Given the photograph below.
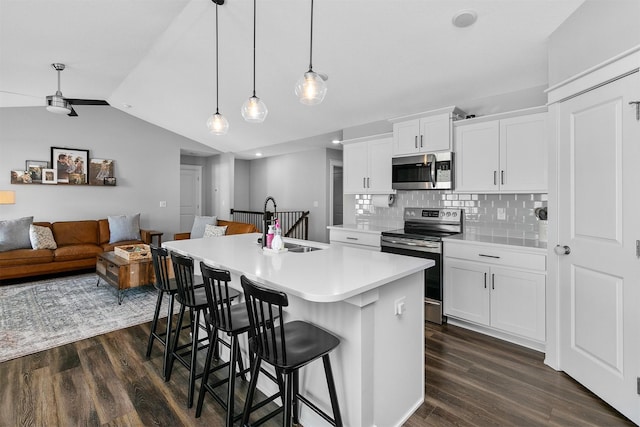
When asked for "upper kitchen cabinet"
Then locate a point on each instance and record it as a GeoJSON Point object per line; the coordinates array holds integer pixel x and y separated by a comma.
{"type": "Point", "coordinates": [425, 132]}
{"type": "Point", "coordinates": [367, 165]}
{"type": "Point", "coordinates": [502, 153]}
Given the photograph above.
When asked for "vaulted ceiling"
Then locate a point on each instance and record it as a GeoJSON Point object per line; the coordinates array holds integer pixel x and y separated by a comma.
{"type": "Point", "coordinates": [155, 59]}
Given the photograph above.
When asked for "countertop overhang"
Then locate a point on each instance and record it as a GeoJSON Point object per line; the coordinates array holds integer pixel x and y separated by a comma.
{"type": "Point", "coordinates": [335, 273]}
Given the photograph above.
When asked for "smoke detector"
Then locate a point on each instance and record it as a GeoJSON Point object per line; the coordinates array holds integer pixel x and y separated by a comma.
{"type": "Point", "coordinates": [464, 18]}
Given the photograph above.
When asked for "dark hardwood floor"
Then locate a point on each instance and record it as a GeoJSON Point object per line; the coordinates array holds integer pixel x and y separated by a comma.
{"type": "Point", "coordinates": [472, 380]}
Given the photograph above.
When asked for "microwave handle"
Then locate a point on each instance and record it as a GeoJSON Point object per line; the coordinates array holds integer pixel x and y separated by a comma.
{"type": "Point", "coordinates": [431, 159]}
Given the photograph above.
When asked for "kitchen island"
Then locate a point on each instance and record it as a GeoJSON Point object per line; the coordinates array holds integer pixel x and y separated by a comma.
{"type": "Point", "coordinates": [373, 301]}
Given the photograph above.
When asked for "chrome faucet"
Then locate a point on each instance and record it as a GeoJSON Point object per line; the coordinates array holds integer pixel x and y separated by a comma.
{"type": "Point", "coordinates": [267, 218]}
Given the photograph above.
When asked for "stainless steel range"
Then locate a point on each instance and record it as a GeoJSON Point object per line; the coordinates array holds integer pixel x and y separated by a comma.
{"type": "Point", "coordinates": [421, 237]}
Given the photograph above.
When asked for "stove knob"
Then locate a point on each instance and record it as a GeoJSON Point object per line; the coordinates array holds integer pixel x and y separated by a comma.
{"type": "Point", "coordinates": [455, 214]}
{"type": "Point", "coordinates": [441, 213]}
{"type": "Point", "coordinates": [448, 213]}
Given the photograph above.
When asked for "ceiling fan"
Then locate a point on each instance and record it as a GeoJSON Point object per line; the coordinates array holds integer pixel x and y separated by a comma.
{"type": "Point", "coordinates": [60, 105]}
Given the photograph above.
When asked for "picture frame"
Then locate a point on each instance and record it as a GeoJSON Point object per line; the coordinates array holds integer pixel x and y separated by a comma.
{"type": "Point", "coordinates": [99, 170]}
{"type": "Point", "coordinates": [71, 164]}
{"type": "Point", "coordinates": [49, 176]}
{"type": "Point", "coordinates": [34, 167]}
{"type": "Point", "coordinates": [110, 180]}
{"type": "Point", "coordinates": [20, 177]}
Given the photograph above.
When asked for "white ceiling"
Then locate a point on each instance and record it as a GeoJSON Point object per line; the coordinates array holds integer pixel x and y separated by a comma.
{"type": "Point", "coordinates": [384, 58]}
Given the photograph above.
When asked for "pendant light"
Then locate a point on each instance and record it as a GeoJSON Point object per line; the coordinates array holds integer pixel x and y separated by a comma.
{"type": "Point", "coordinates": [311, 88]}
{"type": "Point", "coordinates": [217, 123]}
{"type": "Point", "coordinates": [254, 110]}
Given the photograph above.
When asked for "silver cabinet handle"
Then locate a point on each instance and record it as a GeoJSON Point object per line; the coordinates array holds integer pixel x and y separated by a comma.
{"type": "Point", "coordinates": [364, 182]}
{"type": "Point", "coordinates": [502, 177]}
{"type": "Point", "coordinates": [420, 141]}
{"type": "Point", "coordinates": [562, 250]}
{"type": "Point", "coordinates": [485, 280]}
{"type": "Point", "coordinates": [495, 173]}
{"type": "Point", "coordinates": [352, 238]}
{"type": "Point", "coordinates": [493, 281]}
{"type": "Point", "coordinates": [368, 182]}
{"type": "Point", "coordinates": [415, 141]}
{"type": "Point", "coordinates": [489, 256]}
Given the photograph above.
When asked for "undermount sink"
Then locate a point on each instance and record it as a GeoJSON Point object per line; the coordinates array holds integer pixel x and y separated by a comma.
{"type": "Point", "coordinates": [293, 247]}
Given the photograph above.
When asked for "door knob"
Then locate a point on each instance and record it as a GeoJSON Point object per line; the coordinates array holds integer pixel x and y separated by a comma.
{"type": "Point", "coordinates": [562, 250]}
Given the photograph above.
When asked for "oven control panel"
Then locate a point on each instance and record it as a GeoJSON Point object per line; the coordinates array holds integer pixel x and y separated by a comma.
{"type": "Point", "coordinates": [426, 214]}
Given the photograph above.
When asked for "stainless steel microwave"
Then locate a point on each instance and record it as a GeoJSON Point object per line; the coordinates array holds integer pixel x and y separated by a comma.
{"type": "Point", "coordinates": [423, 172]}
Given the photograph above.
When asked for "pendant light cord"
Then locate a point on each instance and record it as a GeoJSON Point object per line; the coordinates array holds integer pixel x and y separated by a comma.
{"type": "Point", "coordinates": [254, 48]}
{"type": "Point", "coordinates": [311, 40]}
{"type": "Point", "coordinates": [217, 95]}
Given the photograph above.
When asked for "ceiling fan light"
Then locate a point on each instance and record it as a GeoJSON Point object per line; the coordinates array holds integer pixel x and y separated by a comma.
{"type": "Point", "coordinates": [254, 110]}
{"type": "Point", "coordinates": [218, 124]}
{"type": "Point", "coordinates": [311, 88]}
{"type": "Point", "coordinates": [58, 105]}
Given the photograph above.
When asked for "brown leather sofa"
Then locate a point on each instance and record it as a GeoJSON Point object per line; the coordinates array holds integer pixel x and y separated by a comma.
{"type": "Point", "coordinates": [79, 243]}
{"type": "Point", "coordinates": [233, 227]}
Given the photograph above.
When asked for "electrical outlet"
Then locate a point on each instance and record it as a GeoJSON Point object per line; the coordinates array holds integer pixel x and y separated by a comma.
{"type": "Point", "coordinates": [398, 306]}
{"type": "Point", "coordinates": [502, 214]}
{"type": "Point", "coordinates": [163, 203]}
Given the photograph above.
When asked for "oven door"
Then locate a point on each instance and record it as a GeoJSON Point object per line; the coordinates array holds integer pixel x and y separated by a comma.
{"type": "Point", "coordinates": [432, 276]}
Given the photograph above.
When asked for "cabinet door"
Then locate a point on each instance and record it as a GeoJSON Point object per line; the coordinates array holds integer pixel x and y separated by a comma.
{"type": "Point", "coordinates": [518, 302]}
{"type": "Point", "coordinates": [435, 133]}
{"type": "Point", "coordinates": [379, 170]}
{"type": "Point", "coordinates": [523, 154]}
{"type": "Point", "coordinates": [406, 137]}
{"type": "Point", "coordinates": [477, 157]}
{"type": "Point", "coordinates": [355, 167]}
{"type": "Point", "coordinates": [466, 292]}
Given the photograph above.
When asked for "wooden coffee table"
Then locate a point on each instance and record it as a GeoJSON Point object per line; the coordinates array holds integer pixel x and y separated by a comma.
{"type": "Point", "coordinates": [122, 273]}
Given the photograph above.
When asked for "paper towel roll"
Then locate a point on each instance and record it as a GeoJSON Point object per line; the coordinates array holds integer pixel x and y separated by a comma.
{"type": "Point", "coordinates": [382, 200]}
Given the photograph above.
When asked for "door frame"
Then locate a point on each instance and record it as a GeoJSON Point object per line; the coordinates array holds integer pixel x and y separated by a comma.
{"type": "Point", "coordinates": [332, 165]}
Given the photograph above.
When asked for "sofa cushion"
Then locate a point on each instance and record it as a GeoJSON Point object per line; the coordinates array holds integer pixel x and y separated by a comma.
{"type": "Point", "coordinates": [14, 234]}
{"type": "Point", "coordinates": [124, 227]}
{"type": "Point", "coordinates": [25, 257]}
{"type": "Point", "coordinates": [41, 237]}
{"type": "Point", "coordinates": [74, 252]}
{"type": "Point", "coordinates": [214, 230]}
{"type": "Point", "coordinates": [75, 232]}
{"type": "Point", "coordinates": [199, 223]}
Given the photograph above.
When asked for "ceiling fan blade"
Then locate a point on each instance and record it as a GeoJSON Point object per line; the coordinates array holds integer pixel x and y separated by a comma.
{"type": "Point", "coordinates": [72, 113]}
{"type": "Point", "coordinates": [86, 101]}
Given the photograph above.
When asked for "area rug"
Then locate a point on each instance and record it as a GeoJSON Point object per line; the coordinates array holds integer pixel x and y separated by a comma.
{"type": "Point", "coordinates": [41, 315]}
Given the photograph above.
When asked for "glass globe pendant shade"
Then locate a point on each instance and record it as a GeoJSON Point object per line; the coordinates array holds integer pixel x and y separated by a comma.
{"type": "Point", "coordinates": [254, 110]}
{"type": "Point", "coordinates": [311, 88]}
{"type": "Point", "coordinates": [217, 124]}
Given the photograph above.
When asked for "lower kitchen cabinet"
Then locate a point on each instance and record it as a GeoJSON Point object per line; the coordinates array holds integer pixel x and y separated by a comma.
{"type": "Point", "coordinates": [496, 288]}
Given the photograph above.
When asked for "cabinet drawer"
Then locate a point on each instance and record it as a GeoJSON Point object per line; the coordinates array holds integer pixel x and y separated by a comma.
{"type": "Point", "coordinates": [355, 238]}
{"type": "Point", "coordinates": [496, 255]}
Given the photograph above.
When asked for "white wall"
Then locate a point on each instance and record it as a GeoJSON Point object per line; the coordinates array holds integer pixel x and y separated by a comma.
{"type": "Point", "coordinates": [595, 32]}
{"type": "Point", "coordinates": [296, 181]}
{"type": "Point", "coordinates": [147, 166]}
{"type": "Point", "coordinates": [241, 184]}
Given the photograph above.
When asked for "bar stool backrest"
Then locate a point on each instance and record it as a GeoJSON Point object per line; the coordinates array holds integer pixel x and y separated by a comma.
{"type": "Point", "coordinates": [216, 285]}
{"type": "Point", "coordinates": [183, 271]}
{"type": "Point", "coordinates": [161, 267]}
{"type": "Point", "coordinates": [264, 306]}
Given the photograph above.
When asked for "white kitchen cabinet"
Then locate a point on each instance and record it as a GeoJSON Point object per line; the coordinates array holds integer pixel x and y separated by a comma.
{"type": "Point", "coordinates": [433, 132]}
{"type": "Point", "coordinates": [355, 238]}
{"type": "Point", "coordinates": [367, 165]}
{"type": "Point", "coordinates": [505, 155]}
{"type": "Point", "coordinates": [496, 287]}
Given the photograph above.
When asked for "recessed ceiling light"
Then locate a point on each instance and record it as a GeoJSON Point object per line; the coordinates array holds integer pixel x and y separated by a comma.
{"type": "Point", "coordinates": [464, 18]}
{"type": "Point", "coordinates": [258, 154]}
{"type": "Point", "coordinates": [126, 105]}
{"type": "Point", "coordinates": [335, 141]}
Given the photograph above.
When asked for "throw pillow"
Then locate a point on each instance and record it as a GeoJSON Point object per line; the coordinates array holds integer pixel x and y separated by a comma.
{"type": "Point", "coordinates": [41, 237]}
{"type": "Point", "coordinates": [14, 234]}
{"type": "Point", "coordinates": [199, 222]}
{"type": "Point", "coordinates": [124, 227]}
{"type": "Point", "coordinates": [214, 230]}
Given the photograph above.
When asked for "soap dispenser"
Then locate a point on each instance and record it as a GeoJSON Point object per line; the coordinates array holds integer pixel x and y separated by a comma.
{"type": "Point", "coordinates": [277, 243]}
{"type": "Point", "coordinates": [270, 236]}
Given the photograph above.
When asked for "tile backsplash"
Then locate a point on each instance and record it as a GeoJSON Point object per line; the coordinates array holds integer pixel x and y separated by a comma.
{"type": "Point", "coordinates": [481, 211]}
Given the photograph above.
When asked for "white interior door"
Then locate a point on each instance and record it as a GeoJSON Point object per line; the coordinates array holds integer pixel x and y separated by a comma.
{"type": "Point", "coordinates": [190, 195]}
{"type": "Point", "coordinates": [598, 210]}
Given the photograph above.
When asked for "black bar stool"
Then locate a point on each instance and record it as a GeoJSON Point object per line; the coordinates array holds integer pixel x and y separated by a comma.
{"type": "Point", "coordinates": [165, 286]}
{"type": "Point", "coordinates": [287, 347]}
{"type": "Point", "coordinates": [195, 299]}
{"type": "Point", "coordinates": [234, 321]}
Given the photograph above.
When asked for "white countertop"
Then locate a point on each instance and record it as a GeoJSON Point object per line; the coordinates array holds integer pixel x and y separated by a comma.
{"type": "Point", "coordinates": [364, 228]}
{"type": "Point", "coordinates": [333, 274]}
{"type": "Point", "coordinates": [499, 240]}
